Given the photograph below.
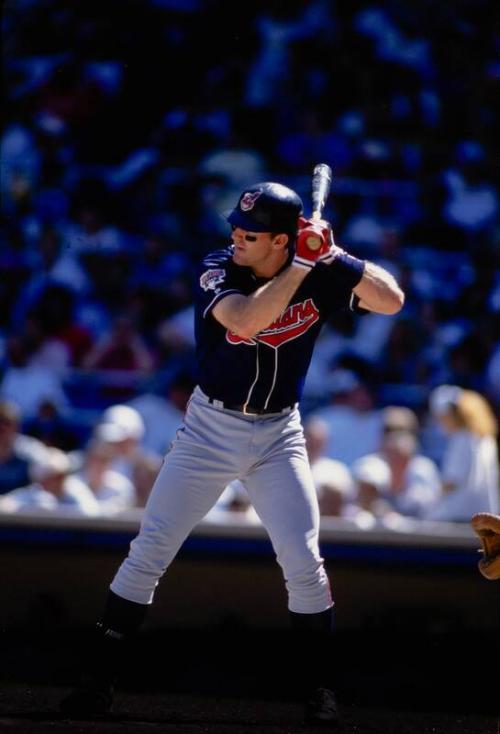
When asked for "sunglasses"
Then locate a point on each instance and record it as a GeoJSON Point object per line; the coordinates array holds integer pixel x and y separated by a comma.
{"type": "Point", "coordinates": [246, 237]}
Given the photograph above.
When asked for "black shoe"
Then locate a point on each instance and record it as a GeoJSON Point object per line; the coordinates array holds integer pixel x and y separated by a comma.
{"type": "Point", "coordinates": [90, 698]}
{"type": "Point", "coordinates": [321, 708]}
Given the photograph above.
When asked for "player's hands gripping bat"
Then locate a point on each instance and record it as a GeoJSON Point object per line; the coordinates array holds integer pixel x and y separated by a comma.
{"type": "Point", "coordinates": [314, 236]}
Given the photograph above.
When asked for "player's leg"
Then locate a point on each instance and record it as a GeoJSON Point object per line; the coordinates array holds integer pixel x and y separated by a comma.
{"type": "Point", "coordinates": [188, 485]}
{"type": "Point", "coordinates": [193, 476]}
{"type": "Point", "coordinates": [281, 489]}
{"type": "Point", "coordinates": [178, 501]}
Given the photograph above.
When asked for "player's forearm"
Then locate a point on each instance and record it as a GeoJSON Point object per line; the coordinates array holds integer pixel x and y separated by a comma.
{"type": "Point", "coordinates": [378, 291]}
{"type": "Point", "coordinates": [263, 306]}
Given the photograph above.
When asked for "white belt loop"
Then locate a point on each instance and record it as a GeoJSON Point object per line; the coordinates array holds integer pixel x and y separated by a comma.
{"type": "Point", "coordinates": [218, 404]}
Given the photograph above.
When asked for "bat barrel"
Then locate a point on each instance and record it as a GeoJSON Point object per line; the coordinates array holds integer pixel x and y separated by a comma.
{"type": "Point", "coordinates": [321, 182]}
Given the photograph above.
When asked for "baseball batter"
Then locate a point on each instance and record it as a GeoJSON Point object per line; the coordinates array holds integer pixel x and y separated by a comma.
{"type": "Point", "coordinates": [260, 305]}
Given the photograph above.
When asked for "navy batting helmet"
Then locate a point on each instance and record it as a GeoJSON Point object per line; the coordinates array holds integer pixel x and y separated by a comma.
{"type": "Point", "coordinates": [267, 207]}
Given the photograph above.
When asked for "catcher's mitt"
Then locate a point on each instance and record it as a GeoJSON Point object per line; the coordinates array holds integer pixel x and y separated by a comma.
{"type": "Point", "coordinates": [487, 526]}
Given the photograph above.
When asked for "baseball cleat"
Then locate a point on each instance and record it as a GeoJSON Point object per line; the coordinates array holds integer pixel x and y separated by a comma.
{"type": "Point", "coordinates": [321, 708]}
{"type": "Point", "coordinates": [89, 698]}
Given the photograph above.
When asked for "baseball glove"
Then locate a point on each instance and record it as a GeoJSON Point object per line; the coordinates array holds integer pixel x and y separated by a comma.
{"type": "Point", "coordinates": [487, 527]}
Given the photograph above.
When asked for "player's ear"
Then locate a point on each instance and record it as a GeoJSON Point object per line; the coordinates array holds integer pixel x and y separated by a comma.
{"type": "Point", "coordinates": [280, 241]}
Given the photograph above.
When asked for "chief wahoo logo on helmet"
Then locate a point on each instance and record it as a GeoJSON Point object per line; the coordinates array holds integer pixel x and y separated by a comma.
{"type": "Point", "coordinates": [248, 200]}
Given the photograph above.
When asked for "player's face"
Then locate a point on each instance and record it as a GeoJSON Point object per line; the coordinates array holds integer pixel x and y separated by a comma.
{"type": "Point", "coordinates": [252, 248]}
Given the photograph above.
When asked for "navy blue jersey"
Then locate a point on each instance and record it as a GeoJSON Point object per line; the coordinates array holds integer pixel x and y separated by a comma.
{"type": "Point", "coordinates": [266, 371]}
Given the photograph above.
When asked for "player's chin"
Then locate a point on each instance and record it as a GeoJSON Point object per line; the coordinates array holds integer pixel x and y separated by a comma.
{"type": "Point", "coordinates": [239, 255]}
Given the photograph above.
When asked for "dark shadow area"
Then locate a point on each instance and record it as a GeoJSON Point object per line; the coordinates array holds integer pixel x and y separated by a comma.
{"type": "Point", "coordinates": [370, 668]}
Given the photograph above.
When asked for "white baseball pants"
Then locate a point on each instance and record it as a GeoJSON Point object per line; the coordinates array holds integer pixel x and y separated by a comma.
{"type": "Point", "coordinates": [214, 446]}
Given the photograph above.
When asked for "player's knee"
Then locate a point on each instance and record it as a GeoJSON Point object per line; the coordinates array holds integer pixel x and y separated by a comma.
{"type": "Point", "coordinates": [308, 588]}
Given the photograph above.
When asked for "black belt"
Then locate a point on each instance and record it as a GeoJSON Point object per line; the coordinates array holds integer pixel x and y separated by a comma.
{"type": "Point", "coordinates": [248, 409]}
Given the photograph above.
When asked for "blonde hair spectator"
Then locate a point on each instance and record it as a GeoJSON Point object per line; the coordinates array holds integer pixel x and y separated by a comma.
{"type": "Point", "coordinates": [473, 412]}
{"type": "Point", "coordinates": [470, 462]}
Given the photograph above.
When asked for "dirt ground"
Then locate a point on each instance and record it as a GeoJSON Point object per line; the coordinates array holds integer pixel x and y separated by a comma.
{"type": "Point", "coordinates": [33, 710]}
{"type": "Point", "coordinates": [228, 683]}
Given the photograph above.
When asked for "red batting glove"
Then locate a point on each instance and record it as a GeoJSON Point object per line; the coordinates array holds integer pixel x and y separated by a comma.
{"type": "Point", "coordinates": [313, 243]}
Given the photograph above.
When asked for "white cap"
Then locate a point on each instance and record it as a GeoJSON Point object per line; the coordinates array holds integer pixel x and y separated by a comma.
{"type": "Point", "coordinates": [443, 398]}
{"type": "Point", "coordinates": [48, 463]}
{"type": "Point", "coordinates": [334, 475]}
{"type": "Point", "coordinates": [120, 422]}
{"type": "Point", "coordinates": [372, 470]}
{"type": "Point", "coordinates": [111, 433]}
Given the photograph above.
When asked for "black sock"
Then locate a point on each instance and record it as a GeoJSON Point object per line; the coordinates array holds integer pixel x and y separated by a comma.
{"type": "Point", "coordinates": [107, 652]}
{"type": "Point", "coordinates": [312, 636]}
{"type": "Point", "coordinates": [122, 617]}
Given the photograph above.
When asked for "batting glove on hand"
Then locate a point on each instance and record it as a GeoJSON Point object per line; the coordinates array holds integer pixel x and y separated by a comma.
{"type": "Point", "coordinates": [315, 243]}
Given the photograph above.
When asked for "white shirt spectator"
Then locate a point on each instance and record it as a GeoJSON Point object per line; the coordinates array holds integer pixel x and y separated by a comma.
{"type": "Point", "coordinates": [471, 464]}
{"type": "Point", "coordinates": [114, 494]}
{"type": "Point", "coordinates": [161, 420]}
{"type": "Point", "coordinates": [76, 500]}
{"type": "Point", "coordinates": [352, 434]}
{"type": "Point", "coordinates": [334, 485]}
{"type": "Point", "coordinates": [52, 488]}
{"type": "Point", "coordinates": [421, 490]}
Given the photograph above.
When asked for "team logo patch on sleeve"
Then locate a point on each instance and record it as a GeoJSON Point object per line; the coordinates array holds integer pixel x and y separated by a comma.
{"type": "Point", "coordinates": [210, 279]}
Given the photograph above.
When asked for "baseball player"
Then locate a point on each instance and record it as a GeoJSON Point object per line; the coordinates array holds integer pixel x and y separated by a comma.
{"type": "Point", "coordinates": [260, 305]}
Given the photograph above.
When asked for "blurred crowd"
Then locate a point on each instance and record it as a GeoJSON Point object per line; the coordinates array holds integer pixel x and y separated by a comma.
{"type": "Point", "coordinates": [379, 476]}
{"type": "Point", "coordinates": [115, 169]}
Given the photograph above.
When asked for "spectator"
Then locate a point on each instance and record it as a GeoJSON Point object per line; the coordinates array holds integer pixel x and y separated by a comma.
{"type": "Point", "coordinates": [112, 490]}
{"type": "Point", "coordinates": [332, 478]}
{"type": "Point", "coordinates": [122, 349]}
{"type": "Point", "coordinates": [234, 503]}
{"type": "Point", "coordinates": [29, 385]}
{"type": "Point", "coordinates": [354, 424]}
{"type": "Point", "coordinates": [16, 450]}
{"type": "Point", "coordinates": [52, 428]}
{"type": "Point", "coordinates": [122, 354]}
{"type": "Point", "coordinates": [335, 490]}
{"type": "Point", "coordinates": [372, 478]}
{"type": "Point", "coordinates": [163, 413]}
{"type": "Point", "coordinates": [415, 482]}
{"type": "Point", "coordinates": [470, 464]}
{"type": "Point", "coordinates": [123, 427]}
{"type": "Point", "coordinates": [416, 151]}
{"type": "Point", "coordinates": [415, 485]}
{"type": "Point", "coordinates": [144, 473]}
{"type": "Point", "coordinates": [472, 201]}
{"type": "Point", "coordinates": [51, 488]}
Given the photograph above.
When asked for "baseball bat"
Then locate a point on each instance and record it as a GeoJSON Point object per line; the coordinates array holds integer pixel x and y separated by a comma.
{"type": "Point", "coordinates": [321, 183]}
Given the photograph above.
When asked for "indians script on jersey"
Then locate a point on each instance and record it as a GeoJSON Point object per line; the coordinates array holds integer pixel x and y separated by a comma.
{"type": "Point", "coordinates": [296, 320]}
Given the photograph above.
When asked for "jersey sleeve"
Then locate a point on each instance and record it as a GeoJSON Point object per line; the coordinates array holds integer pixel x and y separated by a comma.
{"type": "Point", "coordinates": [215, 280]}
{"type": "Point", "coordinates": [335, 281]}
